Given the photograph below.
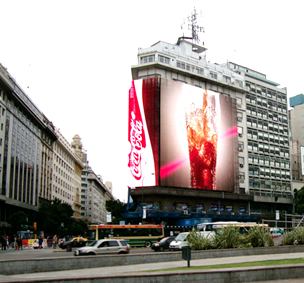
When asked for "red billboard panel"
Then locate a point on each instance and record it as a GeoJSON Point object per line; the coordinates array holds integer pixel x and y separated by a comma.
{"type": "Point", "coordinates": [143, 132]}
{"type": "Point", "coordinates": [190, 136]}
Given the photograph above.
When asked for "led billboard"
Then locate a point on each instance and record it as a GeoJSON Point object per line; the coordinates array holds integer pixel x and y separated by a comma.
{"type": "Point", "coordinates": [188, 133]}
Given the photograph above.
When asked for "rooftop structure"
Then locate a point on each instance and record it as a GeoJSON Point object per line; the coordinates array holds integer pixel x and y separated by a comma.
{"type": "Point", "coordinates": [296, 100]}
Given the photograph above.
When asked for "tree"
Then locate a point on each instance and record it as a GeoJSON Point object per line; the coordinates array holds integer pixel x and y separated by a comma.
{"type": "Point", "coordinates": [117, 208]}
{"type": "Point", "coordinates": [299, 201]}
{"type": "Point", "coordinates": [56, 217]}
{"type": "Point", "coordinates": [18, 221]}
{"type": "Point", "coordinates": [79, 227]}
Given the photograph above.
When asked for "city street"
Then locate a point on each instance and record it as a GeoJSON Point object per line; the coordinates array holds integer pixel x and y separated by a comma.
{"type": "Point", "coordinates": [50, 252]}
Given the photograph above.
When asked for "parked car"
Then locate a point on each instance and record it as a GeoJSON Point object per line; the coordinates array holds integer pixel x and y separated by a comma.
{"type": "Point", "coordinates": [179, 242]}
{"type": "Point", "coordinates": [276, 232]}
{"type": "Point", "coordinates": [105, 246]}
{"type": "Point", "coordinates": [73, 243]}
{"type": "Point", "coordinates": [163, 244]}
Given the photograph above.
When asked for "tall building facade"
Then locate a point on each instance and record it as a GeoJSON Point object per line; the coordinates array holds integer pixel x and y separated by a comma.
{"type": "Point", "coordinates": [94, 193]}
{"type": "Point", "coordinates": [260, 181]}
{"type": "Point", "coordinates": [26, 141]}
{"type": "Point", "coordinates": [266, 140]}
{"type": "Point", "coordinates": [296, 116]}
{"type": "Point", "coordinates": [67, 168]}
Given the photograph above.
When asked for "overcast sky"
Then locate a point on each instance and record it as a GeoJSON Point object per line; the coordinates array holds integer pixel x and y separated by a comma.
{"type": "Point", "coordinates": [73, 58]}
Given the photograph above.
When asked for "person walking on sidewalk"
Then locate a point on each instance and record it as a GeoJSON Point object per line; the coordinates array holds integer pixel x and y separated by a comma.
{"type": "Point", "coordinates": [40, 241]}
{"type": "Point", "coordinates": [3, 243]}
{"type": "Point", "coordinates": [55, 241]}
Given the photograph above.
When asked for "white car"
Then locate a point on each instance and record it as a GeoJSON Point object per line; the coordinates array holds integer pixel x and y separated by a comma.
{"type": "Point", "coordinates": [179, 242]}
{"type": "Point", "coordinates": [105, 246]}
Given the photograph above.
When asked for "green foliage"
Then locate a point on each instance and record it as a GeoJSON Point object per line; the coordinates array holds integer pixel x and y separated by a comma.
{"type": "Point", "coordinates": [18, 221]}
{"type": "Point", "coordinates": [79, 227]}
{"type": "Point", "coordinates": [55, 217]}
{"type": "Point", "coordinates": [289, 261]}
{"type": "Point", "coordinates": [259, 237]}
{"type": "Point", "coordinates": [228, 237]}
{"type": "Point", "coordinates": [299, 201]}
{"type": "Point", "coordinates": [199, 242]}
{"type": "Point", "coordinates": [296, 236]}
{"type": "Point", "coordinates": [116, 207]}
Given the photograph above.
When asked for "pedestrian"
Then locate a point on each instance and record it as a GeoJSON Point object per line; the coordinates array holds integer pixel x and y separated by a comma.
{"type": "Point", "coordinates": [40, 241]}
{"type": "Point", "coordinates": [3, 243]}
{"type": "Point", "coordinates": [7, 242]}
{"type": "Point", "coordinates": [15, 245]}
{"type": "Point", "coordinates": [55, 241]}
{"type": "Point", "coordinates": [19, 243]}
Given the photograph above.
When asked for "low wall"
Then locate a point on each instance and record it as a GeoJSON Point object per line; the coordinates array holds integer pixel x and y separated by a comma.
{"type": "Point", "coordinates": [218, 276]}
{"type": "Point", "coordinates": [236, 275]}
{"type": "Point", "coordinates": [9, 267]}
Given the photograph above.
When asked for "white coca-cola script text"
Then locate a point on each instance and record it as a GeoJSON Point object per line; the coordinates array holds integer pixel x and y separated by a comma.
{"type": "Point", "coordinates": [136, 133]}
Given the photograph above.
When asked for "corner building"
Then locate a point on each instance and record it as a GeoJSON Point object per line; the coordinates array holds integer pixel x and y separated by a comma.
{"type": "Point", "coordinates": [246, 133]}
{"type": "Point", "coordinates": [26, 154]}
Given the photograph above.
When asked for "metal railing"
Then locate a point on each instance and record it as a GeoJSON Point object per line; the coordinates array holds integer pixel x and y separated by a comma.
{"type": "Point", "coordinates": [288, 221]}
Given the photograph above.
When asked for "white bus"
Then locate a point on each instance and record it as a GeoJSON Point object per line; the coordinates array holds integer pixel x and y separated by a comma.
{"type": "Point", "coordinates": [244, 227]}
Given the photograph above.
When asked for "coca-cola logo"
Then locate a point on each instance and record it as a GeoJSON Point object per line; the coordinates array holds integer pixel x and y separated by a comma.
{"type": "Point", "coordinates": [136, 132]}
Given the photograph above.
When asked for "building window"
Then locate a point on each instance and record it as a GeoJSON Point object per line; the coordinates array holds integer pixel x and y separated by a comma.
{"type": "Point", "coordinates": [227, 79]}
{"type": "Point", "coordinates": [213, 75]}
{"type": "Point", "coordinates": [239, 101]}
{"type": "Point", "coordinates": [147, 59]}
{"type": "Point", "coordinates": [180, 65]}
{"type": "Point", "coordinates": [238, 83]}
{"type": "Point", "coordinates": [240, 116]}
{"type": "Point", "coordinates": [240, 131]}
{"type": "Point", "coordinates": [198, 70]}
{"type": "Point", "coordinates": [241, 146]}
{"type": "Point", "coordinates": [242, 177]}
{"type": "Point", "coordinates": [241, 162]}
{"type": "Point", "coordinates": [164, 59]}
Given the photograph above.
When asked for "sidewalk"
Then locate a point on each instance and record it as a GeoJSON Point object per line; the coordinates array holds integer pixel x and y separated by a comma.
{"type": "Point", "coordinates": [138, 268]}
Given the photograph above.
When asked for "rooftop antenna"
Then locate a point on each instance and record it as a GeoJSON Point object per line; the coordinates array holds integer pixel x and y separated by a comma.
{"type": "Point", "coordinates": [193, 27]}
{"type": "Point", "coordinates": [195, 30]}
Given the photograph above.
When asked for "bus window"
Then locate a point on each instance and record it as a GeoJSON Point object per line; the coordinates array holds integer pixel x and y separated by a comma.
{"type": "Point", "coordinates": [136, 235]}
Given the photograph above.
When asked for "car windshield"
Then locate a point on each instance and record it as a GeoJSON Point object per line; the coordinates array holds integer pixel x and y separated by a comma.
{"type": "Point", "coordinates": [164, 240]}
{"type": "Point", "coordinates": [91, 243]}
{"type": "Point", "coordinates": [181, 237]}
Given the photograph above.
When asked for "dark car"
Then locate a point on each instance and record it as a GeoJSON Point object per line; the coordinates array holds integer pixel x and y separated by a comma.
{"type": "Point", "coordinates": [76, 242]}
{"type": "Point", "coordinates": [163, 244]}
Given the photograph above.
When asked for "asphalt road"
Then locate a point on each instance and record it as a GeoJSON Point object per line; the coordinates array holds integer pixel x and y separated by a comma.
{"type": "Point", "coordinates": [50, 252]}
